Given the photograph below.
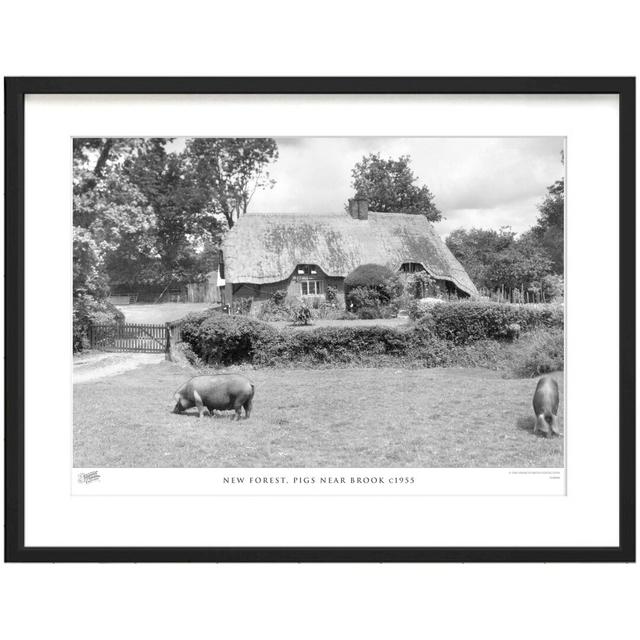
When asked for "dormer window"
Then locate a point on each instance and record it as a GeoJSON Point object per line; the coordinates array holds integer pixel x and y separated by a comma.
{"type": "Point", "coordinates": [307, 270]}
{"type": "Point", "coordinates": [411, 267]}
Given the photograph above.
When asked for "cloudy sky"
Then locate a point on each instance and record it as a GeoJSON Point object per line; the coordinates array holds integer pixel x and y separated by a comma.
{"type": "Point", "coordinates": [481, 182]}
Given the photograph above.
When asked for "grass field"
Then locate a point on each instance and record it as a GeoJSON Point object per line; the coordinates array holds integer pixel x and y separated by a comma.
{"type": "Point", "coordinates": [316, 418]}
{"type": "Point", "coordinates": [170, 311]}
{"type": "Point", "coordinates": [160, 313]}
{"type": "Point", "coordinates": [379, 322]}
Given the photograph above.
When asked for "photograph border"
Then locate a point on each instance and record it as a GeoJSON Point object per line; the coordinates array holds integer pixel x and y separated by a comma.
{"type": "Point", "coordinates": [15, 91]}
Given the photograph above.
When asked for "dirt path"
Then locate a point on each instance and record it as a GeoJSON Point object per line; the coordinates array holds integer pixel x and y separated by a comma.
{"type": "Point", "coordinates": [94, 366]}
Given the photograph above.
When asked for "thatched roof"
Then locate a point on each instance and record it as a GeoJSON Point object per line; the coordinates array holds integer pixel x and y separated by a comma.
{"type": "Point", "coordinates": [266, 247]}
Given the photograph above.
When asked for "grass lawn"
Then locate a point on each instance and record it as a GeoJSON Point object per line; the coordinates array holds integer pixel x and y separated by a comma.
{"type": "Point", "coordinates": [160, 313]}
{"type": "Point", "coordinates": [379, 322]}
{"type": "Point", "coordinates": [316, 418]}
{"type": "Point", "coordinates": [170, 311]}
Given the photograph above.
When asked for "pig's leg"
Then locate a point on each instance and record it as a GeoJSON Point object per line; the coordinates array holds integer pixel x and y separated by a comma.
{"type": "Point", "coordinates": [199, 404]}
{"type": "Point", "coordinates": [555, 429]}
{"type": "Point", "coordinates": [237, 407]}
{"type": "Point", "coordinates": [541, 425]}
{"type": "Point", "coordinates": [247, 408]}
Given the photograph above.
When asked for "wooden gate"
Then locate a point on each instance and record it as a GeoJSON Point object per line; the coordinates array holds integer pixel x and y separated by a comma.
{"type": "Point", "coordinates": [135, 338]}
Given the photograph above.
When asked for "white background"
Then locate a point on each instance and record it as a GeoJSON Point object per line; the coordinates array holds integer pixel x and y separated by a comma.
{"type": "Point", "coordinates": [368, 38]}
{"type": "Point", "coordinates": [587, 516]}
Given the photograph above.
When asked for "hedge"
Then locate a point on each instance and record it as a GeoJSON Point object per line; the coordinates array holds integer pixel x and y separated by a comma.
{"type": "Point", "coordinates": [437, 339]}
{"type": "Point", "coordinates": [217, 338]}
{"type": "Point", "coordinates": [338, 345]}
{"type": "Point", "coordinates": [464, 322]}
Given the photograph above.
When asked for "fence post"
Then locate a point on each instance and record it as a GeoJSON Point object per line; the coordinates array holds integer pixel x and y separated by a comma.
{"type": "Point", "coordinates": [172, 335]}
{"type": "Point", "coordinates": [167, 334]}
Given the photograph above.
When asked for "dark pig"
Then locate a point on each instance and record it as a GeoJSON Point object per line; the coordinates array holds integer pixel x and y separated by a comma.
{"type": "Point", "coordinates": [545, 405]}
{"type": "Point", "coordinates": [222, 392]}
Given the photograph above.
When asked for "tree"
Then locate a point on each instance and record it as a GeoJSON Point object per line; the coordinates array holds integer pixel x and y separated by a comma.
{"type": "Point", "coordinates": [552, 208]}
{"type": "Point", "coordinates": [549, 230]}
{"type": "Point", "coordinates": [112, 208]}
{"type": "Point", "coordinates": [151, 222]}
{"type": "Point", "coordinates": [390, 186]}
{"type": "Point", "coordinates": [228, 171]}
{"type": "Point", "coordinates": [522, 265]}
{"type": "Point", "coordinates": [90, 288]}
{"type": "Point", "coordinates": [182, 225]}
{"type": "Point", "coordinates": [499, 260]}
{"type": "Point", "coordinates": [143, 214]}
{"type": "Point", "coordinates": [477, 249]}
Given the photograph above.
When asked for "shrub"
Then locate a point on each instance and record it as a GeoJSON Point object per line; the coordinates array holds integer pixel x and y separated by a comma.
{"type": "Point", "coordinates": [270, 311]}
{"type": "Point", "coordinates": [212, 338]}
{"type": "Point", "coordinates": [376, 312]}
{"type": "Point", "coordinates": [301, 314]}
{"type": "Point", "coordinates": [361, 297]}
{"type": "Point", "coordinates": [375, 346]}
{"type": "Point", "coordinates": [553, 287]}
{"type": "Point", "coordinates": [327, 311]}
{"type": "Point", "coordinates": [313, 301]}
{"type": "Point", "coordinates": [368, 313]}
{"type": "Point", "coordinates": [420, 308]}
{"type": "Point", "coordinates": [333, 345]}
{"type": "Point", "coordinates": [184, 351]}
{"type": "Point", "coordinates": [540, 352]}
{"type": "Point", "coordinates": [278, 297]}
{"type": "Point", "coordinates": [382, 283]}
{"type": "Point", "coordinates": [331, 294]}
{"type": "Point", "coordinates": [462, 322]}
{"type": "Point", "coordinates": [88, 310]}
{"type": "Point", "coordinates": [221, 339]}
{"type": "Point", "coordinates": [241, 306]}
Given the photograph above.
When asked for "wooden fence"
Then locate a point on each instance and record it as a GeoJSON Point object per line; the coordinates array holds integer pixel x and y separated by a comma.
{"type": "Point", "coordinates": [123, 298]}
{"type": "Point", "coordinates": [203, 292]}
{"type": "Point", "coordinates": [129, 337]}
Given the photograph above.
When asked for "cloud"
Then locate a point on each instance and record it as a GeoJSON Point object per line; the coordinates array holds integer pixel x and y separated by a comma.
{"type": "Point", "coordinates": [481, 182]}
{"type": "Point", "coordinates": [519, 214]}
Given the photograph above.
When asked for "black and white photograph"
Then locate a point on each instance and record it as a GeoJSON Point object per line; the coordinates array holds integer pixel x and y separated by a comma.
{"type": "Point", "coordinates": [321, 320]}
{"type": "Point", "coordinates": [318, 302]}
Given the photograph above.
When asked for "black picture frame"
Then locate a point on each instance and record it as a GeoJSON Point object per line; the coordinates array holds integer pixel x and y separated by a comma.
{"type": "Point", "coordinates": [15, 91]}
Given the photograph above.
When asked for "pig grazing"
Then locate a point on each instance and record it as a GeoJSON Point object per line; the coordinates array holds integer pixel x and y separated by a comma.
{"type": "Point", "coordinates": [545, 405]}
{"type": "Point", "coordinates": [222, 392]}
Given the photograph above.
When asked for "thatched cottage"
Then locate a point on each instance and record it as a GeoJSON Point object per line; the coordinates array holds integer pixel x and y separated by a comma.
{"type": "Point", "coordinates": [305, 253]}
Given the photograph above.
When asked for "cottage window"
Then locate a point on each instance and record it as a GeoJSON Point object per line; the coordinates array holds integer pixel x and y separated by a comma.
{"type": "Point", "coordinates": [411, 267]}
{"type": "Point", "coordinates": [307, 270]}
{"type": "Point", "coordinates": [311, 287]}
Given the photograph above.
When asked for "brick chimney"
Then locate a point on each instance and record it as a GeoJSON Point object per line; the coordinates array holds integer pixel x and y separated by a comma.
{"type": "Point", "coordinates": [359, 208]}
